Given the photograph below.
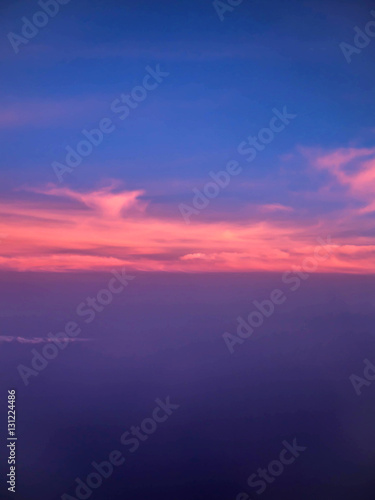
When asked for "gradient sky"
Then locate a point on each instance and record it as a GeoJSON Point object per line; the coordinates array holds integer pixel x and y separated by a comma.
{"type": "Point", "coordinates": [121, 205]}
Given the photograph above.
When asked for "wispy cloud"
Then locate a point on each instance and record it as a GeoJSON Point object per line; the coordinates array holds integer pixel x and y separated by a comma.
{"type": "Point", "coordinates": [38, 340]}
{"type": "Point", "coordinates": [48, 112]}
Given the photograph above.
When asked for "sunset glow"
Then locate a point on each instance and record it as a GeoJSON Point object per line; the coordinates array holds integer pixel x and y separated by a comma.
{"type": "Point", "coordinates": [56, 228]}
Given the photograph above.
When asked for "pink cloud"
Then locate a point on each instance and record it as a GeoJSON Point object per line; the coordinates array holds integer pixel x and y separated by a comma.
{"type": "Point", "coordinates": [274, 207]}
{"type": "Point", "coordinates": [115, 228]}
{"type": "Point", "coordinates": [104, 201]}
{"type": "Point", "coordinates": [353, 169]}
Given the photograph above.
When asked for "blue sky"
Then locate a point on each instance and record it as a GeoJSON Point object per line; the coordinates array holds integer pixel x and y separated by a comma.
{"type": "Point", "coordinates": [225, 78]}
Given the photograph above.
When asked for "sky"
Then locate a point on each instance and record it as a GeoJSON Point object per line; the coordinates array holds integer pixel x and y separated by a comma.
{"type": "Point", "coordinates": [215, 81]}
{"type": "Point", "coordinates": [204, 151]}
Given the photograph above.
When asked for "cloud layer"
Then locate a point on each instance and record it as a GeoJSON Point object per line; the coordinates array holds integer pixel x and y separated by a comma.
{"type": "Point", "coordinates": [61, 229]}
